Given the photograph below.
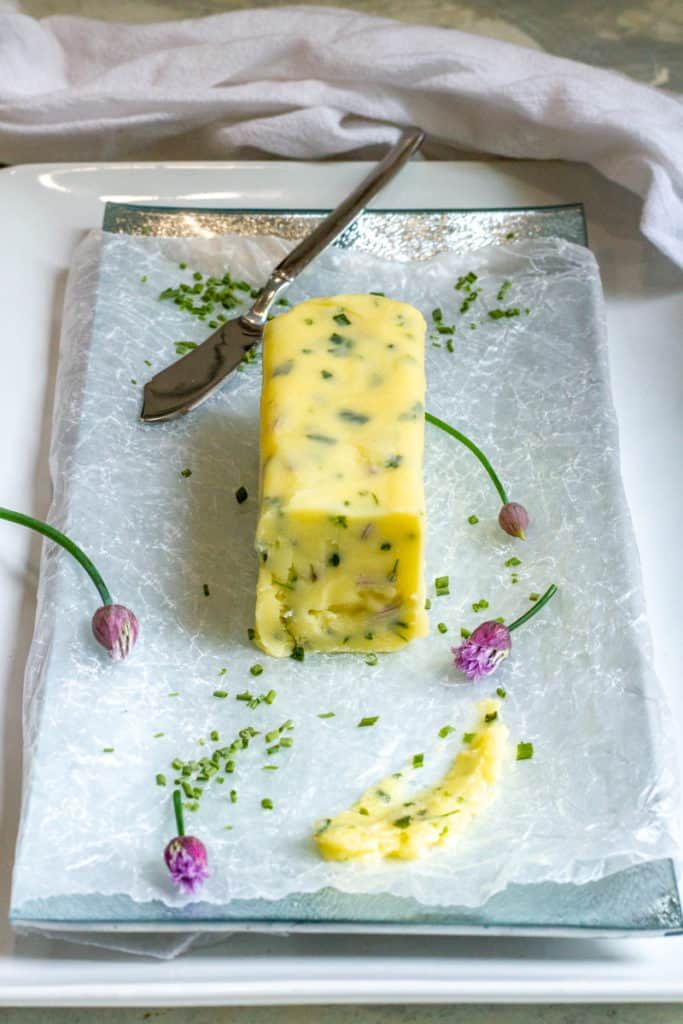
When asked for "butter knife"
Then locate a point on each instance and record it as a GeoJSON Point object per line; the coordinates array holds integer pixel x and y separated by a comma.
{"type": "Point", "coordinates": [186, 383]}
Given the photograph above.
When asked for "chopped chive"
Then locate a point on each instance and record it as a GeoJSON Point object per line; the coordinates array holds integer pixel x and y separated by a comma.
{"type": "Point", "coordinates": [186, 472]}
{"type": "Point", "coordinates": [157, 735]}
{"type": "Point", "coordinates": [437, 316]}
{"type": "Point", "coordinates": [245, 695]}
{"type": "Point", "coordinates": [428, 603]}
{"type": "Point", "coordinates": [403, 822]}
{"type": "Point", "coordinates": [161, 779]}
{"type": "Point", "coordinates": [525, 751]}
{"type": "Point", "coordinates": [491, 717]}
{"type": "Point", "coordinates": [334, 559]}
{"type": "Point", "coordinates": [418, 760]}
{"type": "Point", "coordinates": [241, 495]}
{"type": "Point", "coordinates": [270, 768]}
{"type": "Point", "coordinates": [534, 597]}
{"type": "Point", "coordinates": [327, 714]}
{"type": "Point", "coordinates": [368, 721]}
{"type": "Point", "coordinates": [341, 318]}
{"type": "Point", "coordinates": [442, 627]}
{"type": "Point", "coordinates": [214, 735]}
{"type": "Point", "coordinates": [473, 520]}
{"type": "Point", "coordinates": [220, 693]}
{"type": "Point", "coordinates": [298, 651]}
{"type": "Point", "coordinates": [445, 731]}
{"type": "Point", "coordinates": [286, 741]}
{"type": "Point", "coordinates": [205, 588]}
{"type": "Point", "coordinates": [256, 670]}
{"type": "Point", "coordinates": [267, 804]}
{"type": "Point", "coordinates": [371, 659]}
{"type": "Point", "coordinates": [107, 750]}
{"type": "Point", "coordinates": [233, 796]}
{"type": "Point", "coordinates": [183, 266]}
{"type": "Point", "coordinates": [501, 692]}
{"type": "Point", "coordinates": [441, 585]}
{"type": "Point", "coordinates": [467, 737]}
{"type": "Point", "coordinates": [173, 693]}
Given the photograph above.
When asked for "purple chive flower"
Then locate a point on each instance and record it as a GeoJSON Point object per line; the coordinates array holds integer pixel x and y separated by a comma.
{"type": "Point", "coordinates": [116, 628]}
{"type": "Point", "coordinates": [186, 859]}
{"type": "Point", "coordinates": [514, 519]}
{"type": "Point", "coordinates": [484, 650]}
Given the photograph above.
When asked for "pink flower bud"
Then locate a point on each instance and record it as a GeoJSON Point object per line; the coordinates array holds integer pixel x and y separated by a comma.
{"type": "Point", "coordinates": [116, 628]}
{"type": "Point", "coordinates": [484, 650]}
{"type": "Point", "coordinates": [186, 859]}
{"type": "Point", "coordinates": [514, 519]}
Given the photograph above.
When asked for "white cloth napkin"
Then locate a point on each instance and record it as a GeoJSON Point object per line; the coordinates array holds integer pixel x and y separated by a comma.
{"type": "Point", "coordinates": [308, 82]}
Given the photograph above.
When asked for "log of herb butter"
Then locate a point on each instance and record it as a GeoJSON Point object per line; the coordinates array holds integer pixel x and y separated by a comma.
{"type": "Point", "coordinates": [340, 536]}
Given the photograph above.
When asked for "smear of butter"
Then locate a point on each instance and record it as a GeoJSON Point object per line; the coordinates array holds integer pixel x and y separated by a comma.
{"type": "Point", "coordinates": [391, 821]}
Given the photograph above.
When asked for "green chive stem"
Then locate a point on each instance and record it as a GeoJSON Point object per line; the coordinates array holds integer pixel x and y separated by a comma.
{"type": "Point", "coordinates": [59, 538]}
{"type": "Point", "coordinates": [178, 808]}
{"type": "Point", "coordinates": [473, 448]}
{"type": "Point", "coordinates": [552, 589]}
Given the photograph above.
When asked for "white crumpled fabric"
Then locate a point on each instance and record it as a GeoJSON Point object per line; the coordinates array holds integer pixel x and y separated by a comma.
{"type": "Point", "coordinates": [309, 82]}
{"type": "Point", "coordinates": [533, 391]}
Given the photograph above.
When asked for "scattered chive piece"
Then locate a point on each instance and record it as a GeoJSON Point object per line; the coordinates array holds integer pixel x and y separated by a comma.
{"type": "Point", "coordinates": [270, 768]}
{"type": "Point", "coordinates": [233, 796]}
{"type": "Point", "coordinates": [418, 760]}
{"type": "Point", "coordinates": [510, 234]}
{"type": "Point", "coordinates": [256, 670]}
{"type": "Point", "coordinates": [157, 735]}
{"type": "Point", "coordinates": [183, 265]}
{"type": "Point", "coordinates": [491, 717]}
{"type": "Point", "coordinates": [327, 714]}
{"type": "Point", "coordinates": [186, 472]}
{"type": "Point", "coordinates": [161, 779]}
{"type": "Point", "coordinates": [428, 604]}
{"type": "Point", "coordinates": [525, 751]}
{"type": "Point", "coordinates": [241, 495]}
{"type": "Point", "coordinates": [298, 651]}
{"type": "Point", "coordinates": [286, 741]}
{"type": "Point", "coordinates": [368, 721]}
{"type": "Point", "coordinates": [213, 735]}
{"type": "Point", "coordinates": [143, 278]}
{"type": "Point", "coordinates": [205, 588]}
{"type": "Point", "coordinates": [133, 380]}
{"type": "Point", "coordinates": [107, 750]}
{"type": "Point", "coordinates": [437, 316]}
{"type": "Point", "coordinates": [371, 659]}
{"type": "Point", "coordinates": [501, 692]}
{"type": "Point", "coordinates": [173, 693]}
{"type": "Point", "coordinates": [467, 737]}
{"type": "Point", "coordinates": [512, 562]}
{"type": "Point", "coordinates": [441, 585]}
{"type": "Point", "coordinates": [442, 627]}
{"type": "Point", "coordinates": [147, 362]}
{"type": "Point", "coordinates": [473, 520]}
{"type": "Point", "coordinates": [183, 347]}
{"type": "Point", "coordinates": [465, 633]}
{"type": "Point", "coordinates": [342, 318]}
{"type": "Point", "coordinates": [220, 693]}
{"type": "Point", "coordinates": [534, 597]}
{"type": "Point", "coordinates": [445, 731]}
{"type": "Point", "coordinates": [270, 696]}
{"type": "Point", "coordinates": [377, 293]}
{"type": "Point", "coordinates": [403, 822]}
{"type": "Point", "coordinates": [267, 804]}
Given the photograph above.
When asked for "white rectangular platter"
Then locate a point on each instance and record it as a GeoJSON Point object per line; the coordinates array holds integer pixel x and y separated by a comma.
{"type": "Point", "coordinates": [44, 211]}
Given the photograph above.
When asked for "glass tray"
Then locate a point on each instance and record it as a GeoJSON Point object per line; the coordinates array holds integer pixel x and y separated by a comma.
{"type": "Point", "coordinates": [640, 900]}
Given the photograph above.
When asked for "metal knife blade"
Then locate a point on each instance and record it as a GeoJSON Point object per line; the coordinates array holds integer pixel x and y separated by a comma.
{"type": "Point", "coordinates": [185, 384]}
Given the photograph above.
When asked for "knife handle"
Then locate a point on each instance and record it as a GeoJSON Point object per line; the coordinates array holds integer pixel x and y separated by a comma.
{"type": "Point", "coordinates": [335, 222]}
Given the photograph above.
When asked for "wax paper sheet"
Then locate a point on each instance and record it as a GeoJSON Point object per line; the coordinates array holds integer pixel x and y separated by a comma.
{"type": "Point", "coordinates": [599, 793]}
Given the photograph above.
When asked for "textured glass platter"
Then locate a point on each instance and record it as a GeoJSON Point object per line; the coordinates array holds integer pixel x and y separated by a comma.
{"type": "Point", "coordinates": [641, 899]}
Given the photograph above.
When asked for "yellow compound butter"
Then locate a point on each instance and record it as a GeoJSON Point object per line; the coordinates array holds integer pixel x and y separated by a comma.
{"type": "Point", "coordinates": [340, 536]}
{"type": "Point", "coordinates": [391, 820]}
